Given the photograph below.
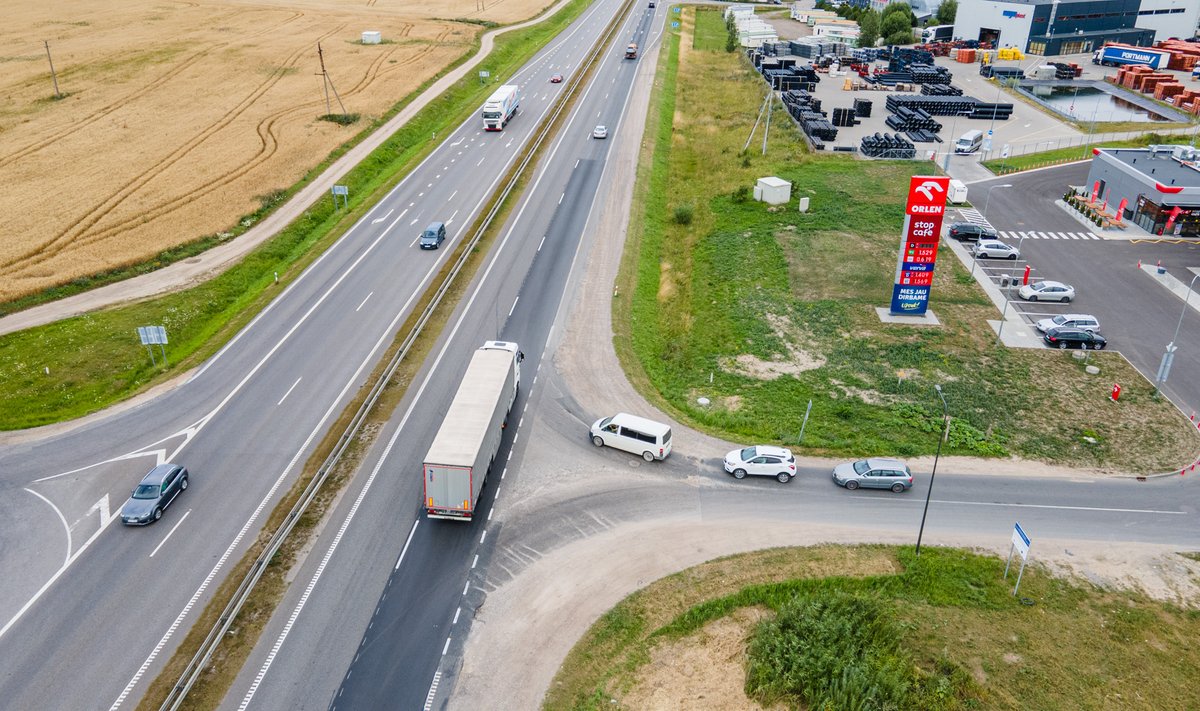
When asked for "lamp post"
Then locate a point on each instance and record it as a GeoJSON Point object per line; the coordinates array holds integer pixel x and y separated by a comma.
{"type": "Point", "coordinates": [987, 201]}
{"type": "Point", "coordinates": [936, 456]}
{"type": "Point", "coordinates": [1165, 367]}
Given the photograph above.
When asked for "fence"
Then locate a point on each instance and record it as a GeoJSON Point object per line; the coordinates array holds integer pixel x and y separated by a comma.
{"type": "Point", "coordinates": [1081, 141]}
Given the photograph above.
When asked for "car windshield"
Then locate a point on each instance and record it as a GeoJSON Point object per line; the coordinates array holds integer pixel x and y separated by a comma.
{"type": "Point", "coordinates": [861, 467]}
{"type": "Point", "coordinates": [1059, 320]}
{"type": "Point", "coordinates": [145, 491]}
{"type": "Point", "coordinates": [749, 453]}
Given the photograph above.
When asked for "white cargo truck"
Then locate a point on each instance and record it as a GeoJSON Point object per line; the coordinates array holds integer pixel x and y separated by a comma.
{"type": "Point", "coordinates": [458, 461]}
{"type": "Point", "coordinates": [500, 107]}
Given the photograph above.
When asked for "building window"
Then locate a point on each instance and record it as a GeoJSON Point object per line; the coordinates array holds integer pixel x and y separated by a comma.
{"type": "Point", "coordinates": [1038, 48]}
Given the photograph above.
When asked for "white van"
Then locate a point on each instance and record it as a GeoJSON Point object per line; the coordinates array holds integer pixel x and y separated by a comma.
{"type": "Point", "coordinates": [969, 142]}
{"type": "Point", "coordinates": [636, 435]}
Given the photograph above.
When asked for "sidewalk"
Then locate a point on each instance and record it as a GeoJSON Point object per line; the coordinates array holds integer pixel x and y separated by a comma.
{"type": "Point", "coordinates": [213, 262]}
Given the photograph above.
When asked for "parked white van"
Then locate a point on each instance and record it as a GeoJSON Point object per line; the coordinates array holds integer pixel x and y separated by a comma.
{"type": "Point", "coordinates": [636, 435]}
{"type": "Point", "coordinates": [969, 142]}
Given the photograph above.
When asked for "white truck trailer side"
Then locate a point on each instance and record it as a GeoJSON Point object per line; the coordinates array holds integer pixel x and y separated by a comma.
{"type": "Point", "coordinates": [458, 461]}
{"type": "Point", "coordinates": [500, 107]}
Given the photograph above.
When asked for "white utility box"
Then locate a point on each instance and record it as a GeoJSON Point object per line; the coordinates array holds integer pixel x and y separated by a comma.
{"type": "Point", "coordinates": [372, 37]}
{"type": "Point", "coordinates": [958, 192]}
{"type": "Point", "coordinates": [773, 191]}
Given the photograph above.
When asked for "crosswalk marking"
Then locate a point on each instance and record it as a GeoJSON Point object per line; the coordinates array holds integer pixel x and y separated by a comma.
{"type": "Point", "coordinates": [1015, 236]}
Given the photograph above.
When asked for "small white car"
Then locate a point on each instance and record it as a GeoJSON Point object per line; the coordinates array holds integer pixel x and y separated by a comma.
{"type": "Point", "coordinates": [761, 460]}
{"type": "Point", "coordinates": [1084, 322]}
{"type": "Point", "coordinates": [1047, 291]}
{"type": "Point", "coordinates": [995, 249]}
{"type": "Point", "coordinates": [600, 132]}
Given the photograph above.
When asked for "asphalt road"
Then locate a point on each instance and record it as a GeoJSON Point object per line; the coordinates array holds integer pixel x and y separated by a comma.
{"type": "Point", "coordinates": [243, 424]}
{"type": "Point", "coordinates": [381, 607]}
{"type": "Point", "coordinates": [1137, 316]}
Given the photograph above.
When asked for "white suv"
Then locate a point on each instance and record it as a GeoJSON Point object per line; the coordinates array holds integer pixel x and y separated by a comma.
{"type": "Point", "coordinates": [761, 460]}
{"type": "Point", "coordinates": [1084, 322]}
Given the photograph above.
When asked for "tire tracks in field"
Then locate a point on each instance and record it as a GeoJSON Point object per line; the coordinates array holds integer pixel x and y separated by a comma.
{"type": "Point", "coordinates": [81, 233]}
{"type": "Point", "coordinates": [150, 87]}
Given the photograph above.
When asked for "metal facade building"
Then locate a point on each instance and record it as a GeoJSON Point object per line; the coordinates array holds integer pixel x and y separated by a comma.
{"type": "Point", "coordinates": [1160, 186]}
{"type": "Point", "coordinates": [1055, 27]}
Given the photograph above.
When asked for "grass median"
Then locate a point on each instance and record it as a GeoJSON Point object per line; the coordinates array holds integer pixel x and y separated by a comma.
{"type": "Point", "coordinates": [876, 627]}
{"type": "Point", "coordinates": [761, 310]}
{"type": "Point", "coordinates": [70, 368]}
{"type": "Point", "coordinates": [1004, 166]}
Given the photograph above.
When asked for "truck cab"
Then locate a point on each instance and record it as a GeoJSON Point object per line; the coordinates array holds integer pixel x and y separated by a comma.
{"type": "Point", "coordinates": [631, 51]}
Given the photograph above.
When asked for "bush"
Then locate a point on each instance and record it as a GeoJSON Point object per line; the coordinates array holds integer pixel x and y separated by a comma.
{"type": "Point", "coordinates": [683, 214]}
{"type": "Point", "coordinates": [742, 194]}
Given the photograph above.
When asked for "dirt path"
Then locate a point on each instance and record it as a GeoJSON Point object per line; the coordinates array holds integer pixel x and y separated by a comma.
{"type": "Point", "coordinates": [213, 262]}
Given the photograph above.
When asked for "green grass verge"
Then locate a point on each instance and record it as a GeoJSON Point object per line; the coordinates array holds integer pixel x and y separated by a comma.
{"type": "Point", "coordinates": [711, 33]}
{"type": "Point", "coordinates": [95, 360]}
{"type": "Point", "coordinates": [875, 627]}
{"type": "Point", "coordinates": [762, 309]}
{"type": "Point", "coordinates": [1003, 166]}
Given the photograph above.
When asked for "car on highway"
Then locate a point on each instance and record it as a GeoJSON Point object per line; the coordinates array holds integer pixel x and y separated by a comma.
{"type": "Point", "coordinates": [874, 473]}
{"type": "Point", "coordinates": [600, 132]}
{"type": "Point", "coordinates": [556, 78]}
{"type": "Point", "coordinates": [1047, 291]}
{"type": "Point", "coordinates": [1087, 322]}
{"type": "Point", "coordinates": [761, 460]}
{"type": "Point", "coordinates": [1063, 337]}
{"type": "Point", "coordinates": [995, 249]}
{"type": "Point", "coordinates": [156, 492]}
{"type": "Point", "coordinates": [433, 236]}
{"type": "Point", "coordinates": [969, 232]}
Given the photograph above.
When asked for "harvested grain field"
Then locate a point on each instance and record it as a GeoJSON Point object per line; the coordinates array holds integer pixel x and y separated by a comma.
{"type": "Point", "coordinates": [176, 118]}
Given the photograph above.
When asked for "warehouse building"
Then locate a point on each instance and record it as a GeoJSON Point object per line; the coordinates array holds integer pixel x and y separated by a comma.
{"type": "Point", "coordinates": [1055, 27]}
{"type": "Point", "coordinates": [1156, 188]}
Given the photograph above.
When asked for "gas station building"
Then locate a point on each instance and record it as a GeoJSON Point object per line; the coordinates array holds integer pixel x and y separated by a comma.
{"type": "Point", "coordinates": [1157, 188]}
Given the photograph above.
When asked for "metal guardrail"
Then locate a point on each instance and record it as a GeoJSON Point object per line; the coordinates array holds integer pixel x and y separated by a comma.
{"type": "Point", "coordinates": [204, 655]}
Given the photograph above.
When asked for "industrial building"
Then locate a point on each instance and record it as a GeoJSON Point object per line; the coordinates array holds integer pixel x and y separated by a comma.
{"type": "Point", "coordinates": [1055, 27]}
{"type": "Point", "coordinates": [1156, 188]}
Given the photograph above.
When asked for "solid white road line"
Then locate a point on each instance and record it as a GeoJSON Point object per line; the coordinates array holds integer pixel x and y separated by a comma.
{"type": "Point", "coordinates": [514, 307]}
{"type": "Point", "coordinates": [60, 518]}
{"type": "Point", "coordinates": [1064, 508]}
{"type": "Point", "coordinates": [364, 301]}
{"type": "Point", "coordinates": [170, 533]}
{"type": "Point", "coordinates": [289, 390]}
{"type": "Point", "coordinates": [407, 541]}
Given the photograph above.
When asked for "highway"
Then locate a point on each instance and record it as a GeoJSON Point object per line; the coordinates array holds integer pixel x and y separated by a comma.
{"type": "Point", "coordinates": [382, 606]}
{"type": "Point", "coordinates": [243, 424]}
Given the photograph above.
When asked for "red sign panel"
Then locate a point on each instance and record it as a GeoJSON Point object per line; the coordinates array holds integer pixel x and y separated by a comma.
{"type": "Point", "coordinates": [927, 196]}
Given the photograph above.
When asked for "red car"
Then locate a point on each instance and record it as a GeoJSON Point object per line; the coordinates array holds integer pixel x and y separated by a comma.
{"type": "Point", "coordinates": [556, 78]}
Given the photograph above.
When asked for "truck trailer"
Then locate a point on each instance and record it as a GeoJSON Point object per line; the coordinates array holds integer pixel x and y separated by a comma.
{"type": "Point", "coordinates": [500, 107]}
{"type": "Point", "coordinates": [1117, 54]}
{"type": "Point", "coordinates": [937, 33]}
{"type": "Point", "coordinates": [458, 461]}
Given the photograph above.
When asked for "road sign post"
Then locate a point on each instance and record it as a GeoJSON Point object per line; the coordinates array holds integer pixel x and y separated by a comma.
{"type": "Point", "coordinates": [1020, 545]}
{"type": "Point", "coordinates": [154, 336]}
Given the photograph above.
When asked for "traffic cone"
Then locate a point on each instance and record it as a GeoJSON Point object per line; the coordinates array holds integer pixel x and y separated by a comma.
{"type": "Point", "coordinates": [1139, 264]}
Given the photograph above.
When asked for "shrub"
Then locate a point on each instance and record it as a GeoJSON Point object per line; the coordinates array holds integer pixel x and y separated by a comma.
{"type": "Point", "coordinates": [683, 214]}
{"type": "Point", "coordinates": [742, 194]}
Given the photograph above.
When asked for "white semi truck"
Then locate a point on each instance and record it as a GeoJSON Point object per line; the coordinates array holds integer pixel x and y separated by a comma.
{"type": "Point", "coordinates": [500, 107]}
{"type": "Point", "coordinates": [458, 461]}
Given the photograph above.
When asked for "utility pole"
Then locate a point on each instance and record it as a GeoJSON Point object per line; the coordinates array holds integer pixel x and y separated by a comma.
{"type": "Point", "coordinates": [328, 83]}
{"type": "Point", "coordinates": [53, 74]}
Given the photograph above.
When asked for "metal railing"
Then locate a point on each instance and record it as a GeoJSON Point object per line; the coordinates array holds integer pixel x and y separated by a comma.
{"type": "Point", "coordinates": [1020, 149]}
{"type": "Point", "coordinates": [207, 648]}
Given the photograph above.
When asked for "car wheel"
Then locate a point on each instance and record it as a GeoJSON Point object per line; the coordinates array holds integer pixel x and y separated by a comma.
{"type": "Point", "coordinates": [1062, 345]}
{"type": "Point", "coordinates": [897, 488]}
{"type": "Point", "coordinates": [1012, 257]}
{"type": "Point", "coordinates": [648, 456]}
{"type": "Point", "coordinates": [1033, 297]}
{"type": "Point", "coordinates": [1066, 299]}
{"type": "Point", "coordinates": [783, 477]}
{"type": "Point", "coordinates": [1097, 346]}
{"type": "Point", "coordinates": [852, 485]}
{"type": "Point", "coordinates": [157, 513]}
{"type": "Point", "coordinates": [739, 473]}
{"type": "Point", "coordinates": [598, 441]}
{"type": "Point", "coordinates": [183, 484]}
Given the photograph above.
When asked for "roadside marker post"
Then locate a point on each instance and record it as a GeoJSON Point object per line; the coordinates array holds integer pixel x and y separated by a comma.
{"type": "Point", "coordinates": [1020, 544]}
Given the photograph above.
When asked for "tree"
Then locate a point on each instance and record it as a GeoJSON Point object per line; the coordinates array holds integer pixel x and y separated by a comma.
{"type": "Point", "coordinates": [731, 35]}
{"type": "Point", "coordinates": [901, 37]}
{"type": "Point", "coordinates": [868, 29]}
{"type": "Point", "coordinates": [946, 12]}
{"type": "Point", "coordinates": [896, 23]}
{"type": "Point", "coordinates": [902, 9]}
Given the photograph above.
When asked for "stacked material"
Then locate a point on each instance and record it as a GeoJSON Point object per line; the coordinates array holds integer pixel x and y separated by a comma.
{"type": "Point", "coordinates": [940, 90]}
{"type": "Point", "coordinates": [1184, 55]}
{"type": "Point", "coordinates": [866, 54]}
{"type": "Point", "coordinates": [906, 119]}
{"type": "Point", "coordinates": [929, 74]}
{"type": "Point", "coordinates": [1066, 71]}
{"type": "Point", "coordinates": [964, 56]}
{"type": "Point", "coordinates": [814, 47]}
{"type": "Point", "coordinates": [901, 58]}
{"type": "Point", "coordinates": [991, 70]}
{"type": "Point", "coordinates": [883, 145]}
{"type": "Point", "coordinates": [923, 137]}
{"type": "Point", "coordinates": [862, 108]}
{"type": "Point", "coordinates": [844, 117]}
{"type": "Point", "coordinates": [807, 112]}
{"type": "Point", "coordinates": [967, 106]}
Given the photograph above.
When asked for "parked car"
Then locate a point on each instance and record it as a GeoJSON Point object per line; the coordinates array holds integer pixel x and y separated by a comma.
{"type": "Point", "coordinates": [1047, 291]}
{"type": "Point", "coordinates": [761, 460]}
{"type": "Point", "coordinates": [1087, 322]}
{"type": "Point", "coordinates": [556, 78]}
{"type": "Point", "coordinates": [600, 132]}
{"type": "Point", "coordinates": [1063, 337]}
{"type": "Point", "coordinates": [995, 249]}
{"type": "Point", "coordinates": [156, 492]}
{"type": "Point", "coordinates": [874, 474]}
{"type": "Point", "coordinates": [969, 232]}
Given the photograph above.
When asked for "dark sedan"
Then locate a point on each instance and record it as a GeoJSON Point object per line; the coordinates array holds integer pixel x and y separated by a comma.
{"type": "Point", "coordinates": [1063, 337]}
{"type": "Point", "coordinates": [156, 492]}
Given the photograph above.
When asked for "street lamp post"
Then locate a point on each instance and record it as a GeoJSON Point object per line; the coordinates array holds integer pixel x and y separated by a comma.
{"type": "Point", "coordinates": [1011, 277]}
{"type": "Point", "coordinates": [986, 202]}
{"type": "Point", "coordinates": [1165, 367]}
{"type": "Point", "coordinates": [936, 456]}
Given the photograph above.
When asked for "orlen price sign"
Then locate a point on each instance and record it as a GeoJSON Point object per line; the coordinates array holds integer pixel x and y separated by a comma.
{"type": "Point", "coordinates": [919, 244]}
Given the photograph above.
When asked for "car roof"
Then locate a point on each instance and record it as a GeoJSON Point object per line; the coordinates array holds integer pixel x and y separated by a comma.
{"type": "Point", "coordinates": [772, 451]}
{"type": "Point", "coordinates": [993, 241]}
{"type": "Point", "coordinates": [1072, 317]}
{"type": "Point", "coordinates": [1047, 283]}
{"type": "Point", "coordinates": [885, 463]}
{"type": "Point", "coordinates": [157, 474]}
